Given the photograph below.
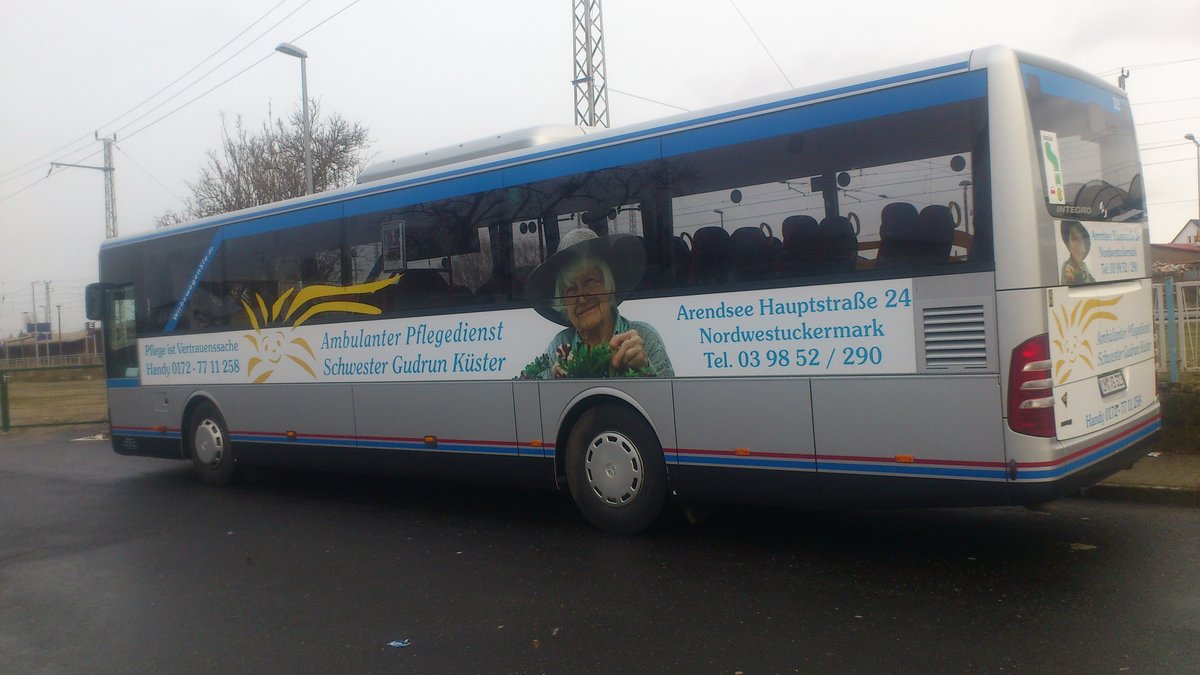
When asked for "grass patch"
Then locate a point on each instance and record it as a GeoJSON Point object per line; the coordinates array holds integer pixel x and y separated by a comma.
{"type": "Point", "coordinates": [56, 396]}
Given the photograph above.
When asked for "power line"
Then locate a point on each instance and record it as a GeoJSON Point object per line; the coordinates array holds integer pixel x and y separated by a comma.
{"type": "Point", "coordinates": [763, 45]}
{"type": "Point", "coordinates": [46, 177]}
{"type": "Point", "coordinates": [1146, 65]}
{"type": "Point", "coordinates": [147, 172]}
{"type": "Point", "coordinates": [648, 100]}
{"type": "Point", "coordinates": [237, 74]}
{"type": "Point", "coordinates": [211, 71]}
{"type": "Point", "coordinates": [203, 61]}
{"type": "Point", "coordinates": [1173, 100]}
{"type": "Point", "coordinates": [88, 137]}
{"type": "Point", "coordinates": [193, 100]}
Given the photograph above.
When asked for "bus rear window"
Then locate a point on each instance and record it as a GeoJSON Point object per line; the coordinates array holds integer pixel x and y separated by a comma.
{"type": "Point", "coordinates": [1090, 168]}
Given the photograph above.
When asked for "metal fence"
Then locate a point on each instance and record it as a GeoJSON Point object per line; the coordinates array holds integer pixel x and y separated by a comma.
{"type": "Point", "coordinates": [1177, 326]}
{"type": "Point", "coordinates": [52, 395]}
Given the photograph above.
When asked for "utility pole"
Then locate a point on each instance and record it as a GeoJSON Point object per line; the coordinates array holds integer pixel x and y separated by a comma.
{"type": "Point", "coordinates": [110, 188]}
{"type": "Point", "coordinates": [591, 83]}
{"type": "Point", "coordinates": [49, 334]}
{"type": "Point", "coordinates": [60, 345]}
{"type": "Point", "coordinates": [37, 353]}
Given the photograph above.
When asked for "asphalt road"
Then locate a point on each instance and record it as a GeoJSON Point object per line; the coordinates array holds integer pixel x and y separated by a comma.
{"type": "Point", "coordinates": [115, 564]}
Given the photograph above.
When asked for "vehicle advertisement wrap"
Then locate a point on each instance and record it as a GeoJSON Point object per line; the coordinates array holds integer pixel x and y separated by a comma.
{"type": "Point", "coordinates": [1102, 355]}
{"type": "Point", "coordinates": [814, 330]}
{"type": "Point", "coordinates": [1095, 252]}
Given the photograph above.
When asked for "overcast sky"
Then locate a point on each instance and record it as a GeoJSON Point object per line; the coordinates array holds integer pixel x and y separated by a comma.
{"type": "Point", "coordinates": [421, 75]}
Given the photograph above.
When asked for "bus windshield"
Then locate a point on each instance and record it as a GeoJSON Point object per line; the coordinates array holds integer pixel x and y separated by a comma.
{"type": "Point", "coordinates": [1088, 148]}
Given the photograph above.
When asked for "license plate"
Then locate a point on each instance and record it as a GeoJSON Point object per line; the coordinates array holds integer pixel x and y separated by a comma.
{"type": "Point", "coordinates": [1111, 383]}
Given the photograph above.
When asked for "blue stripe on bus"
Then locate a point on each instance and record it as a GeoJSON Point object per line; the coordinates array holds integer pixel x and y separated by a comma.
{"type": "Point", "coordinates": [374, 190]}
{"type": "Point", "coordinates": [122, 382]}
{"type": "Point", "coordinates": [1065, 86]}
{"type": "Point", "coordinates": [148, 433]}
{"type": "Point", "coordinates": [926, 471]}
{"type": "Point", "coordinates": [194, 281]}
{"type": "Point", "coordinates": [1090, 458]}
{"type": "Point", "coordinates": [749, 462]}
{"type": "Point", "coordinates": [877, 104]}
{"type": "Point", "coordinates": [351, 442]}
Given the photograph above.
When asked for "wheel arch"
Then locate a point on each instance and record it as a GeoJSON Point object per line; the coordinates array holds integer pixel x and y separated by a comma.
{"type": "Point", "coordinates": [195, 400]}
{"type": "Point", "coordinates": [580, 404]}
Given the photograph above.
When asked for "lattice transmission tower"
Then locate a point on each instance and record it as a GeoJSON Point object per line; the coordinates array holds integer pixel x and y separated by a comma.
{"type": "Point", "coordinates": [591, 85]}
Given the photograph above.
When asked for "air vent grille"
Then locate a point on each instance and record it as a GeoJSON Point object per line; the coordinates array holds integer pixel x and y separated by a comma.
{"type": "Point", "coordinates": [955, 338]}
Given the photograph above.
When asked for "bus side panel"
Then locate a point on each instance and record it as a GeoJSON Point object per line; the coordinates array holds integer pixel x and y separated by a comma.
{"type": "Point", "coordinates": [447, 430]}
{"type": "Point", "coordinates": [746, 441]}
{"type": "Point", "coordinates": [562, 399]}
{"type": "Point", "coordinates": [302, 426]}
{"type": "Point", "coordinates": [942, 436]}
{"type": "Point", "coordinates": [140, 423]}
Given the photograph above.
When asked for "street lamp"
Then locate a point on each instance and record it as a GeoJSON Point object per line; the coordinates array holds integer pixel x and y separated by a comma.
{"type": "Point", "coordinates": [293, 50]}
{"type": "Point", "coordinates": [1192, 138]}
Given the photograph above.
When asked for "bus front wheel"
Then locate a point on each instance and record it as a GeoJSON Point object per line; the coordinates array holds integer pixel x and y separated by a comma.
{"type": "Point", "coordinates": [212, 452]}
{"type": "Point", "coordinates": [615, 469]}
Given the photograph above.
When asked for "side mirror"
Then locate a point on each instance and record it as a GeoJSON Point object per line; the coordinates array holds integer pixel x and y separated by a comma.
{"type": "Point", "coordinates": [93, 296]}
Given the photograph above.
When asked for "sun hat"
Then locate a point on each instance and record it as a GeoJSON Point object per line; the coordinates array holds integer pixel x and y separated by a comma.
{"type": "Point", "coordinates": [1067, 226]}
{"type": "Point", "coordinates": [623, 253]}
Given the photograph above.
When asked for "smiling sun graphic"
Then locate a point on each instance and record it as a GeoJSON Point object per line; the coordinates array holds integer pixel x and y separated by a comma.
{"type": "Point", "coordinates": [272, 336]}
{"type": "Point", "coordinates": [1071, 325]}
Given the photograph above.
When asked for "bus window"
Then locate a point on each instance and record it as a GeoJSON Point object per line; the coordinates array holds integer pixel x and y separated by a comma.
{"type": "Point", "coordinates": [265, 268]}
{"type": "Point", "coordinates": [120, 332]}
{"type": "Point", "coordinates": [891, 193]}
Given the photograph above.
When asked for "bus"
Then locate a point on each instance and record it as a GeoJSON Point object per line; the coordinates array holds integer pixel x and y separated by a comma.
{"type": "Point", "coordinates": [928, 286]}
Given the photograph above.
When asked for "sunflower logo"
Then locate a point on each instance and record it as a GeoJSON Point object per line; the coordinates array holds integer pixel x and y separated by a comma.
{"type": "Point", "coordinates": [272, 337]}
{"type": "Point", "coordinates": [1071, 326]}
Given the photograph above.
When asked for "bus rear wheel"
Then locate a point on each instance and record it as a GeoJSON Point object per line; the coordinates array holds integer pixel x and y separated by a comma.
{"type": "Point", "coordinates": [211, 449]}
{"type": "Point", "coordinates": [615, 469]}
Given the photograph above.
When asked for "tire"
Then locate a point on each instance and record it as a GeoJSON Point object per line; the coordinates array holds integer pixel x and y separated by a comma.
{"type": "Point", "coordinates": [210, 447]}
{"type": "Point", "coordinates": [615, 469]}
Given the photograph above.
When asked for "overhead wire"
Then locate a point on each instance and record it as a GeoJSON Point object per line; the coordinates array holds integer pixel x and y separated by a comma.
{"type": "Point", "coordinates": [763, 45]}
{"type": "Point", "coordinates": [89, 137]}
{"type": "Point", "coordinates": [194, 99]}
{"type": "Point", "coordinates": [147, 172]}
{"type": "Point", "coordinates": [242, 71]}
{"type": "Point", "coordinates": [211, 71]}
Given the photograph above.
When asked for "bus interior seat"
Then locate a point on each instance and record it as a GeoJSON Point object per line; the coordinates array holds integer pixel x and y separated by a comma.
{"type": "Point", "coordinates": [520, 274]}
{"type": "Point", "coordinates": [710, 256]}
{"type": "Point", "coordinates": [681, 258]}
{"type": "Point", "coordinates": [897, 224]}
{"type": "Point", "coordinates": [1137, 194]}
{"type": "Point", "coordinates": [1101, 197]}
{"type": "Point", "coordinates": [418, 288]}
{"type": "Point", "coordinates": [461, 295]}
{"type": "Point", "coordinates": [799, 254]}
{"type": "Point", "coordinates": [837, 245]}
{"type": "Point", "coordinates": [937, 234]}
{"type": "Point", "coordinates": [774, 253]}
{"type": "Point", "coordinates": [750, 254]}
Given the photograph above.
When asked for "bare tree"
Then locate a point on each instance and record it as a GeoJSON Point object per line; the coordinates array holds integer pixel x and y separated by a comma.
{"type": "Point", "coordinates": [267, 165]}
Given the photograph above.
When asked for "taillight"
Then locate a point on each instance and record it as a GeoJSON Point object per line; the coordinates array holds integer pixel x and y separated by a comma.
{"type": "Point", "coordinates": [1030, 395]}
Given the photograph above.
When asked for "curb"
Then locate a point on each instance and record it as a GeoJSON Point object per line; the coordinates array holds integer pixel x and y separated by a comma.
{"type": "Point", "coordinates": [1146, 494]}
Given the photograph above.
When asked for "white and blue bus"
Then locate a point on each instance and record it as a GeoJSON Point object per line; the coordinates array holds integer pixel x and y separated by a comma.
{"type": "Point", "coordinates": [926, 286]}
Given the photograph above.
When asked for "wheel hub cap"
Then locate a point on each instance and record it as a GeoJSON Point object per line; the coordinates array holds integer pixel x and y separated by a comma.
{"type": "Point", "coordinates": [209, 443]}
{"type": "Point", "coordinates": [614, 468]}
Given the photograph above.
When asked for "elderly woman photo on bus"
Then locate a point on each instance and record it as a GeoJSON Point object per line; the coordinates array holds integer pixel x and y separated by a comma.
{"type": "Point", "coordinates": [1079, 243]}
{"type": "Point", "coordinates": [580, 287]}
